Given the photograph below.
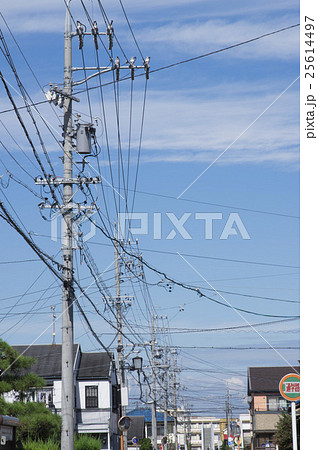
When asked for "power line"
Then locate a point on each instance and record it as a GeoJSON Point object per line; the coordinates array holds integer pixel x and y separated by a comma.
{"type": "Point", "coordinates": [21, 261]}
{"type": "Point", "coordinates": [177, 63]}
{"type": "Point", "coordinates": [214, 52]}
{"type": "Point", "coordinates": [166, 252]}
{"type": "Point", "coordinates": [173, 330]}
{"type": "Point", "coordinates": [213, 347]}
{"type": "Point", "coordinates": [28, 135]}
{"type": "Point", "coordinates": [200, 202]}
{"type": "Point", "coordinates": [25, 96]}
{"type": "Point", "coordinates": [184, 285]}
{"type": "Point", "coordinates": [130, 28]}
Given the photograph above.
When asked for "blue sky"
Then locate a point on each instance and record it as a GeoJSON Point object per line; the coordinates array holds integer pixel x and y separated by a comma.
{"type": "Point", "coordinates": [239, 108]}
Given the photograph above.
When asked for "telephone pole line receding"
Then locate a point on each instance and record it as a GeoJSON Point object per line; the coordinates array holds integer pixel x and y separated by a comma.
{"type": "Point", "coordinates": [83, 134]}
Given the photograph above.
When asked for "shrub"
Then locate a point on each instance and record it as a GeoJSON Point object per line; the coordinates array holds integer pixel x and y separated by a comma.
{"type": "Point", "coordinates": [49, 444]}
{"type": "Point", "coordinates": [145, 444]}
{"type": "Point", "coordinates": [36, 421]}
{"type": "Point", "coordinates": [86, 442]}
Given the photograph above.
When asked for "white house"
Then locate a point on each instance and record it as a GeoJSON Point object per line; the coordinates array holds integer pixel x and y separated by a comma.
{"type": "Point", "coordinates": [207, 432]}
{"type": "Point", "coordinates": [95, 387]}
{"type": "Point", "coordinates": [245, 426]}
{"type": "Point", "coordinates": [198, 432]}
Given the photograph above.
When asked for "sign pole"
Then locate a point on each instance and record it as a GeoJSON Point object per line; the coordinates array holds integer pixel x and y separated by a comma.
{"type": "Point", "coordinates": [294, 425]}
{"type": "Point", "coordinates": [123, 424]}
{"type": "Point", "coordinates": [289, 388]}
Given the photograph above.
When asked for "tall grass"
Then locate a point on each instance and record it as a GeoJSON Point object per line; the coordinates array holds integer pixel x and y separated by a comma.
{"type": "Point", "coordinates": [49, 444]}
{"type": "Point", "coordinates": [86, 442]}
{"type": "Point", "coordinates": [81, 442]}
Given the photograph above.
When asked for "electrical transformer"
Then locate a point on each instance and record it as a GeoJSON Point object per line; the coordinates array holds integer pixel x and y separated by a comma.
{"type": "Point", "coordinates": [84, 134]}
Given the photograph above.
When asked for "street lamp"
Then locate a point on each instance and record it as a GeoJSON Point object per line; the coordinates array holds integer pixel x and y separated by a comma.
{"type": "Point", "coordinates": [137, 363]}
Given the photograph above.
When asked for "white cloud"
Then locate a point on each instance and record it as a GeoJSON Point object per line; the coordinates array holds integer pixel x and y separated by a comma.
{"type": "Point", "coordinates": [203, 36]}
{"type": "Point", "coordinates": [48, 16]}
{"type": "Point", "coordinates": [190, 126]}
{"type": "Point", "coordinates": [197, 125]}
{"type": "Point", "coordinates": [239, 382]}
{"type": "Point", "coordinates": [34, 6]}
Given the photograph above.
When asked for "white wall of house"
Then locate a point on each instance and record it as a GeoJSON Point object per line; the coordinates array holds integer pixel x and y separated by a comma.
{"type": "Point", "coordinates": [9, 396]}
{"type": "Point", "coordinates": [245, 425]}
{"type": "Point", "coordinates": [57, 394]}
{"type": "Point", "coordinates": [199, 424]}
{"type": "Point", "coordinates": [104, 394]}
{"type": "Point", "coordinates": [41, 395]}
{"type": "Point", "coordinates": [94, 420]}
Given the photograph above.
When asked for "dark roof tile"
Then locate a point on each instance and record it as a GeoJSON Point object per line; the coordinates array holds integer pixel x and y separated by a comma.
{"type": "Point", "coordinates": [94, 366]}
{"type": "Point", "coordinates": [137, 428]}
{"type": "Point", "coordinates": [266, 379]}
{"type": "Point", "coordinates": [48, 362]}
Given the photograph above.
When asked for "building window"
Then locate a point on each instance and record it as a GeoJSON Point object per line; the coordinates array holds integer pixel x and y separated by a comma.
{"type": "Point", "coordinates": [114, 399]}
{"type": "Point", "coordinates": [91, 396]}
{"type": "Point", "coordinates": [276, 404]}
{"type": "Point", "coordinates": [265, 441]}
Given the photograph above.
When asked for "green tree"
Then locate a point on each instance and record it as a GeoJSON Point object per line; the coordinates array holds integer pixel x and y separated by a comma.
{"type": "Point", "coordinates": [14, 372]}
{"type": "Point", "coordinates": [284, 435]}
{"type": "Point", "coordinates": [36, 421]}
{"type": "Point", "coordinates": [145, 444]}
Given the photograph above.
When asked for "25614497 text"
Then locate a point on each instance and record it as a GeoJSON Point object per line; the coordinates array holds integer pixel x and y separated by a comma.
{"type": "Point", "coordinates": [309, 60]}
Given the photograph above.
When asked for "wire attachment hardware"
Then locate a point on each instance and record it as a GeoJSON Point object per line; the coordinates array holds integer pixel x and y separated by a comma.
{"type": "Point", "coordinates": [147, 66]}
{"type": "Point", "coordinates": [80, 32]}
{"type": "Point", "coordinates": [57, 96]}
{"type": "Point", "coordinates": [117, 67]}
{"type": "Point", "coordinates": [110, 33]}
{"type": "Point", "coordinates": [95, 34]}
{"type": "Point", "coordinates": [132, 67]}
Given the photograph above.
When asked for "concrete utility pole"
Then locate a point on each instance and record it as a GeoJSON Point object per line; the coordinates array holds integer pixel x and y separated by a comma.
{"type": "Point", "coordinates": [175, 412]}
{"type": "Point", "coordinates": [153, 386]}
{"type": "Point", "coordinates": [227, 409]}
{"type": "Point", "coordinates": [185, 427]}
{"type": "Point", "coordinates": [84, 133]}
{"type": "Point", "coordinates": [202, 437]}
{"type": "Point", "coordinates": [67, 438]}
{"type": "Point", "coordinates": [212, 436]}
{"type": "Point", "coordinates": [120, 346]}
{"type": "Point", "coordinates": [165, 419]}
{"type": "Point", "coordinates": [188, 430]}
